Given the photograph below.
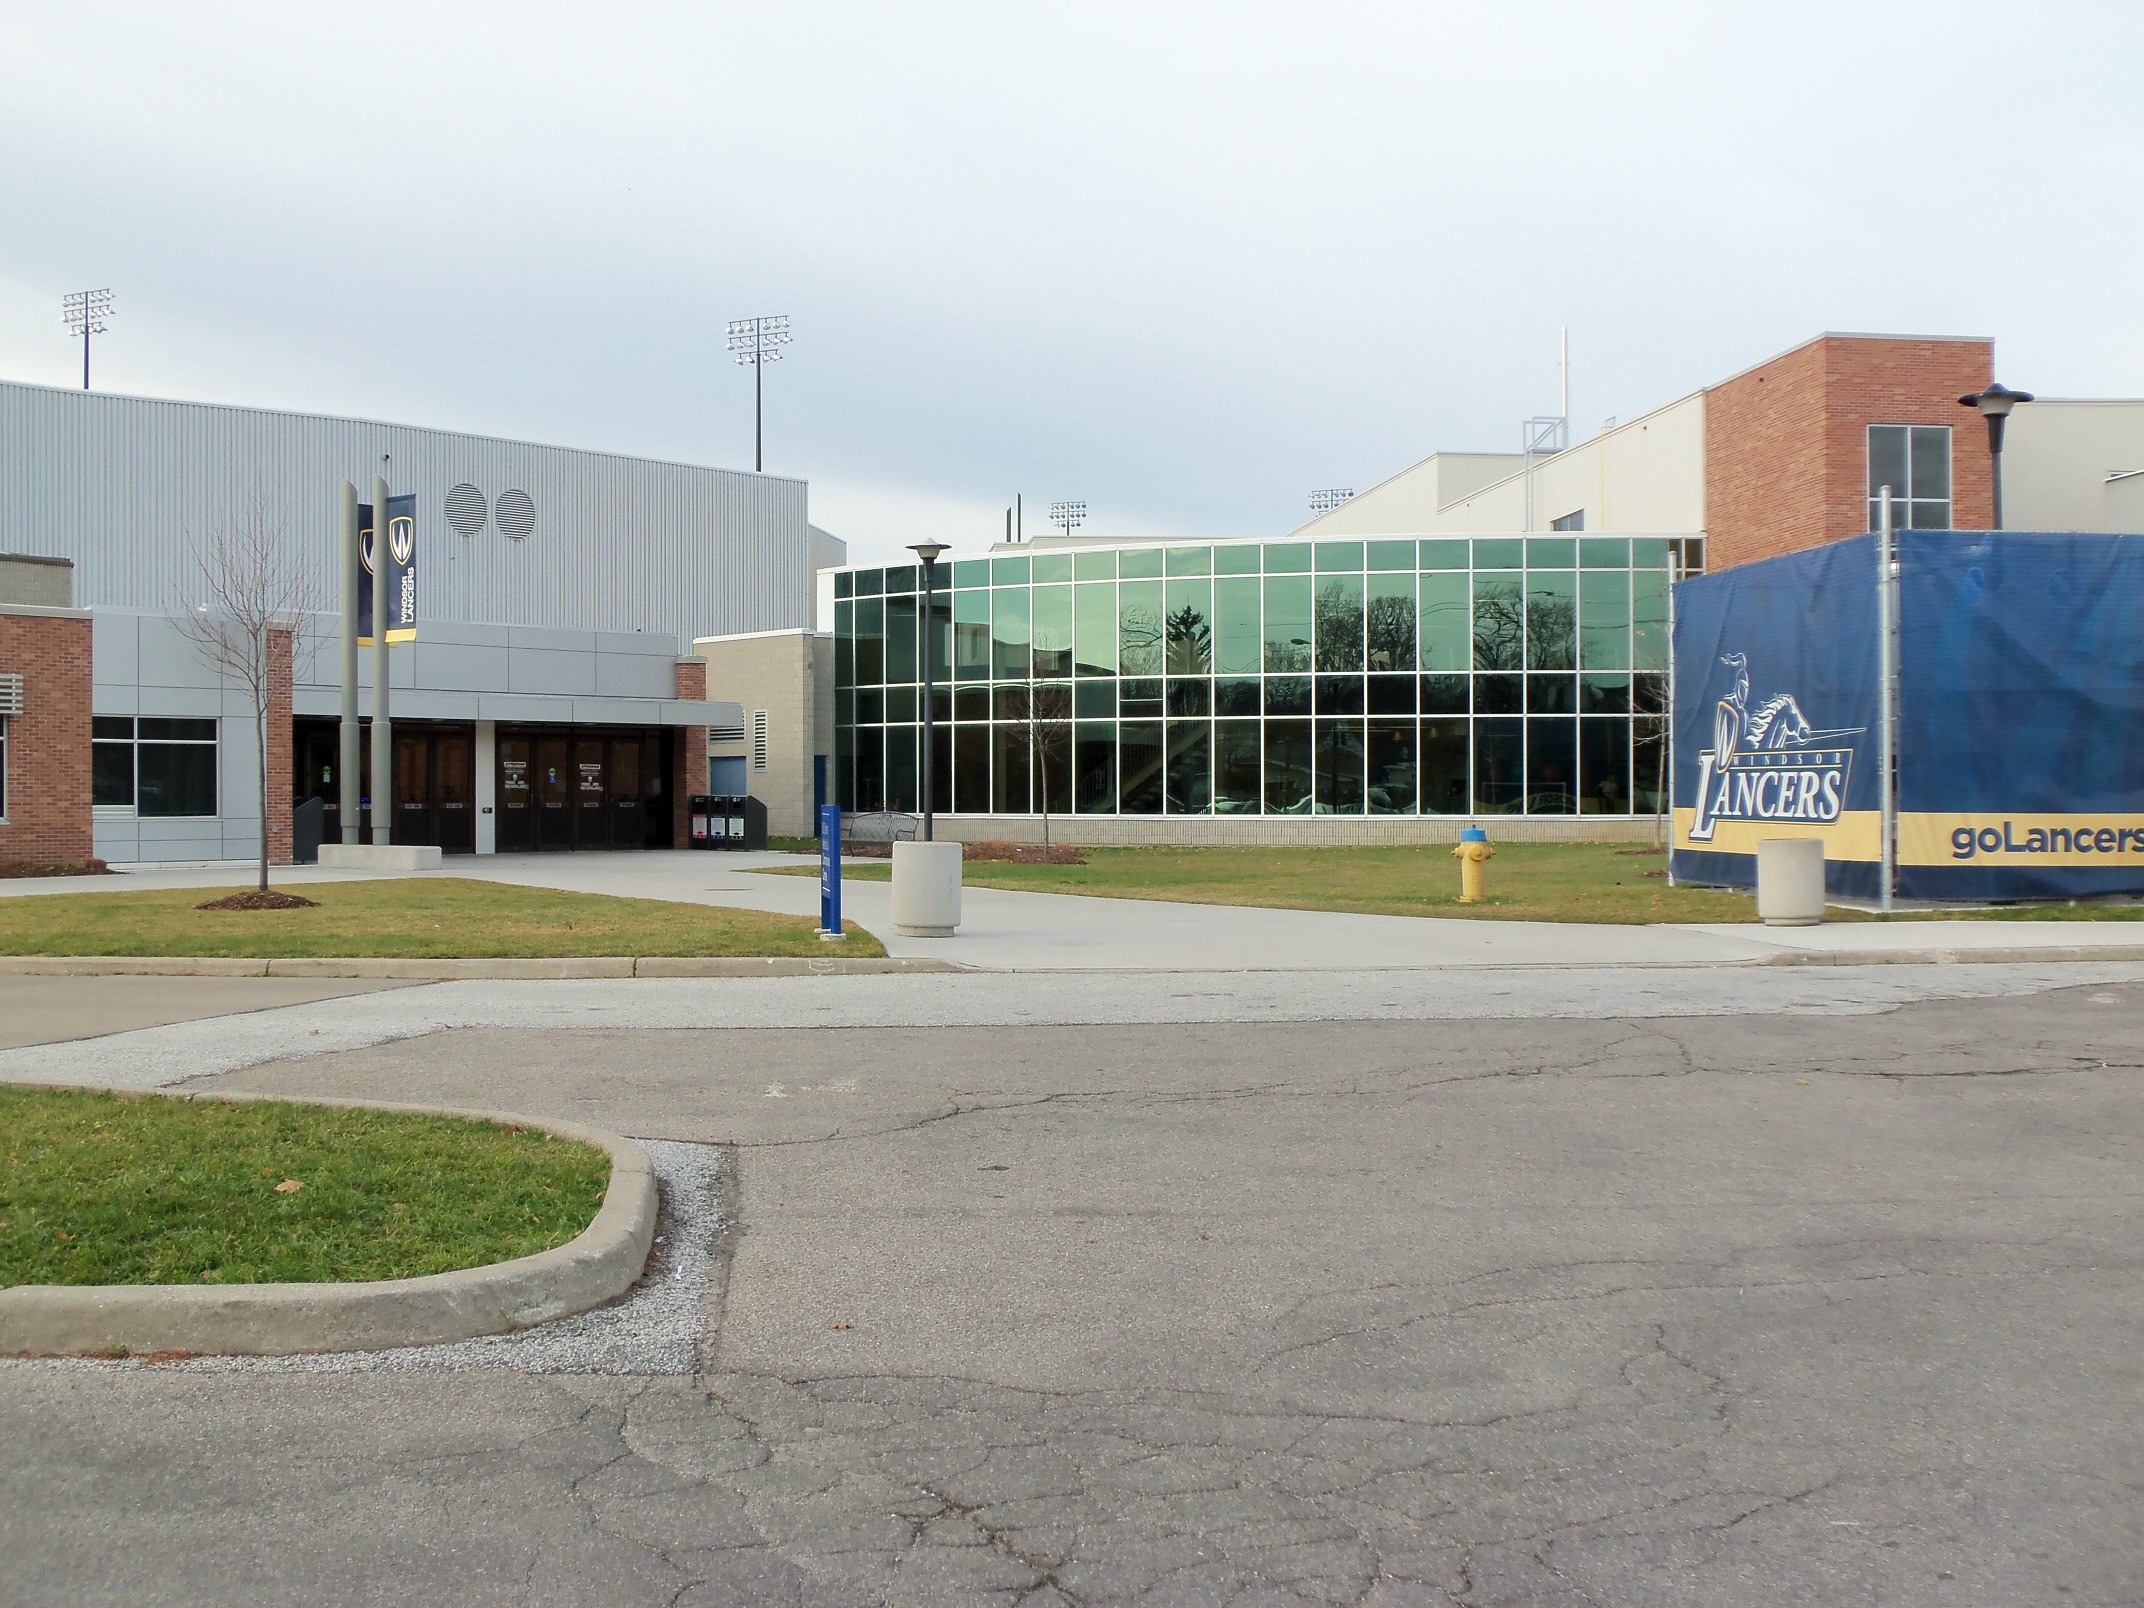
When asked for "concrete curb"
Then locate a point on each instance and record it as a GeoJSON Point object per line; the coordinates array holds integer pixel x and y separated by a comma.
{"type": "Point", "coordinates": [268, 1320]}
{"type": "Point", "coordinates": [2014, 955]}
{"type": "Point", "coordinates": [440, 971]}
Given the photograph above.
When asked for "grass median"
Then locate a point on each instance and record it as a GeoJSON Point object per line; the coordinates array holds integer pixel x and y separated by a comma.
{"type": "Point", "coordinates": [1615, 883]}
{"type": "Point", "coordinates": [100, 1188]}
{"type": "Point", "coordinates": [412, 918]}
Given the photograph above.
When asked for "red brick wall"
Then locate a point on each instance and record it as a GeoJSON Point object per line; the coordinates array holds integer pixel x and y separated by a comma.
{"type": "Point", "coordinates": [281, 788]}
{"type": "Point", "coordinates": [1786, 444]}
{"type": "Point", "coordinates": [48, 815]}
{"type": "Point", "coordinates": [688, 765]}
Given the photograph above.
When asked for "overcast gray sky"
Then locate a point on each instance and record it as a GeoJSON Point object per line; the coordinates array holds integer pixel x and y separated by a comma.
{"type": "Point", "coordinates": [1186, 262]}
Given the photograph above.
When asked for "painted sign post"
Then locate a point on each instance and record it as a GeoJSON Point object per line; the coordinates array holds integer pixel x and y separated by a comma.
{"type": "Point", "coordinates": [830, 871]}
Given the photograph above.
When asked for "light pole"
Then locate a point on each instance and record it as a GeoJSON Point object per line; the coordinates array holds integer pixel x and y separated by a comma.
{"type": "Point", "coordinates": [84, 313]}
{"type": "Point", "coordinates": [930, 553]}
{"type": "Point", "coordinates": [1995, 404]}
{"type": "Point", "coordinates": [1068, 515]}
{"type": "Point", "coordinates": [1330, 497]}
{"type": "Point", "coordinates": [758, 342]}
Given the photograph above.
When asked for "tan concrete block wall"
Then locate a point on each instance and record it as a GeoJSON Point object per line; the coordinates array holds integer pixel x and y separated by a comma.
{"type": "Point", "coordinates": [790, 675]}
{"type": "Point", "coordinates": [48, 752]}
{"type": "Point", "coordinates": [1309, 831]}
{"type": "Point", "coordinates": [1786, 444]}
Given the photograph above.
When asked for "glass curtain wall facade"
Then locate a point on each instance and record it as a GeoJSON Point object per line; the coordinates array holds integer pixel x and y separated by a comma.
{"type": "Point", "coordinates": [1448, 676]}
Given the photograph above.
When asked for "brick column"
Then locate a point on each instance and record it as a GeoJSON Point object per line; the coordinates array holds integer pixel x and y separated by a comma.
{"type": "Point", "coordinates": [281, 850]}
{"type": "Point", "coordinates": [688, 762]}
{"type": "Point", "coordinates": [48, 798]}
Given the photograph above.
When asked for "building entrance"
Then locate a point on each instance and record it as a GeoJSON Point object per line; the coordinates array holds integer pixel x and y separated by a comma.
{"type": "Point", "coordinates": [435, 782]}
{"type": "Point", "coordinates": [582, 788]}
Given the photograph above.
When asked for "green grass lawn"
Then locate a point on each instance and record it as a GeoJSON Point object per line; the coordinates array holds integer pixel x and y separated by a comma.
{"type": "Point", "coordinates": [110, 1189]}
{"type": "Point", "coordinates": [427, 918]}
{"type": "Point", "coordinates": [1604, 882]}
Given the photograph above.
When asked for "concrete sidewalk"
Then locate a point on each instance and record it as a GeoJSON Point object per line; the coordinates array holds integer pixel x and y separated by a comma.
{"type": "Point", "coordinates": [1004, 930]}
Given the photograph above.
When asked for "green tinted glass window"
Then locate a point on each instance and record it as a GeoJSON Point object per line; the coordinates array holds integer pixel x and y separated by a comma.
{"type": "Point", "coordinates": [869, 583]}
{"type": "Point", "coordinates": [1388, 621]}
{"type": "Point", "coordinates": [1499, 621]}
{"type": "Point", "coordinates": [1009, 571]}
{"type": "Point", "coordinates": [1094, 628]}
{"type": "Point", "coordinates": [1008, 630]}
{"type": "Point", "coordinates": [1447, 637]}
{"type": "Point", "coordinates": [971, 636]}
{"type": "Point", "coordinates": [901, 578]}
{"type": "Point", "coordinates": [900, 639]}
{"type": "Point", "coordinates": [1649, 552]}
{"type": "Point", "coordinates": [1604, 552]}
{"type": "Point", "coordinates": [1391, 555]}
{"type": "Point", "coordinates": [971, 572]}
{"type": "Point", "coordinates": [1287, 622]}
{"type": "Point", "coordinates": [1287, 558]}
{"type": "Point", "coordinates": [1050, 625]}
{"type": "Point", "coordinates": [1444, 555]}
{"type": "Point", "coordinates": [1140, 563]}
{"type": "Point", "coordinates": [1551, 552]}
{"type": "Point", "coordinates": [1189, 627]}
{"type": "Point", "coordinates": [1339, 556]}
{"type": "Point", "coordinates": [1052, 566]}
{"type": "Point", "coordinates": [1339, 621]}
{"type": "Point", "coordinates": [1604, 620]}
{"type": "Point", "coordinates": [1139, 628]}
{"type": "Point", "coordinates": [1189, 560]}
{"type": "Point", "coordinates": [1238, 559]}
{"type": "Point", "coordinates": [1499, 552]}
{"type": "Point", "coordinates": [1552, 619]}
{"type": "Point", "coordinates": [1237, 646]}
{"type": "Point", "coordinates": [1095, 566]}
{"type": "Point", "coordinates": [1649, 620]}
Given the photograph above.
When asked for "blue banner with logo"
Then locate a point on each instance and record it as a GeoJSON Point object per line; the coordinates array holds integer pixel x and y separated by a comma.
{"type": "Point", "coordinates": [396, 560]}
{"type": "Point", "coordinates": [1775, 716]}
{"type": "Point", "coordinates": [2021, 715]}
{"type": "Point", "coordinates": [364, 574]}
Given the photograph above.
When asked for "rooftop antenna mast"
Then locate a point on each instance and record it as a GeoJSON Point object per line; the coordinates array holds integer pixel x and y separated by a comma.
{"type": "Point", "coordinates": [84, 312]}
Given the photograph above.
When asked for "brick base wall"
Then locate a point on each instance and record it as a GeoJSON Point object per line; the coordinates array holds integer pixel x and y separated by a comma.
{"type": "Point", "coordinates": [48, 752]}
{"type": "Point", "coordinates": [688, 760]}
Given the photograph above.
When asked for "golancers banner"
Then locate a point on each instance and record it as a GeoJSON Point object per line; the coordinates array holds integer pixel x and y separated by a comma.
{"type": "Point", "coordinates": [2021, 715]}
{"type": "Point", "coordinates": [1775, 716]}
{"type": "Point", "coordinates": [398, 573]}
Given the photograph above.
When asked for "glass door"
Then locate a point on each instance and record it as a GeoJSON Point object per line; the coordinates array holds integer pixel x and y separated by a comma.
{"type": "Point", "coordinates": [554, 794]}
{"type": "Point", "coordinates": [517, 795]}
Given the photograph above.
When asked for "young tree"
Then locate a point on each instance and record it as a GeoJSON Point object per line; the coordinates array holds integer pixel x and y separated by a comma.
{"type": "Point", "coordinates": [1049, 738]}
{"type": "Point", "coordinates": [251, 587]}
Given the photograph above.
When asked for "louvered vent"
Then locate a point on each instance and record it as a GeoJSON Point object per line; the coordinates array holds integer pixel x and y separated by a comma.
{"type": "Point", "coordinates": [759, 739]}
{"type": "Point", "coordinates": [466, 511]}
{"type": "Point", "coordinates": [11, 693]}
{"type": "Point", "coordinates": [516, 514]}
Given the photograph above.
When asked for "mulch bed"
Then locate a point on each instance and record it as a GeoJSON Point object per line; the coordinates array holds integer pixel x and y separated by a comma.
{"type": "Point", "coordinates": [54, 868]}
{"type": "Point", "coordinates": [255, 899]}
{"type": "Point", "coordinates": [992, 849]}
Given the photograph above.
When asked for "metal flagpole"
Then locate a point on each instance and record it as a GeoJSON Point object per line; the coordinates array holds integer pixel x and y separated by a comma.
{"type": "Point", "coordinates": [1886, 696]}
{"type": "Point", "coordinates": [383, 738]}
{"type": "Point", "coordinates": [349, 758]}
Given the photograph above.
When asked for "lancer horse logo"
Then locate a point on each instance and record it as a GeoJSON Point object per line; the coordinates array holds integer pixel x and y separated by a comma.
{"type": "Point", "coordinates": [1767, 763]}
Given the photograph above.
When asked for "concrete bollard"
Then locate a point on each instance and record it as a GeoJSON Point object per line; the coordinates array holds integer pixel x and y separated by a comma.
{"type": "Point", "coordinates": [926, 889]}
{"type": "Point", "coordinates": [1790, 881]}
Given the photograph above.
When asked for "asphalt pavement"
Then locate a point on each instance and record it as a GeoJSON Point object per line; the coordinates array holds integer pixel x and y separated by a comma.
{"type": "Point", "coordinates": [1724, 1287]}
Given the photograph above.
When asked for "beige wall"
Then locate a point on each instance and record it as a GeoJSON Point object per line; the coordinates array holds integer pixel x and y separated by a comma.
{"type": "Point", "coordinates": [2057, 457]}
{"type": "Point", "coordinates": [1646, 477]}
{"type": "Point", "coordinates": [789, 675]}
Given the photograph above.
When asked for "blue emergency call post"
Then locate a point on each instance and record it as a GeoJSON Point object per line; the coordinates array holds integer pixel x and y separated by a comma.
{"type": "Point", "coordinates": [830, 872]}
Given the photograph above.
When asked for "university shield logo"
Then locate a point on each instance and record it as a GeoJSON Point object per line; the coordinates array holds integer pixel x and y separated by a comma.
{"type": "Point", "coordinates": [1767, 763]}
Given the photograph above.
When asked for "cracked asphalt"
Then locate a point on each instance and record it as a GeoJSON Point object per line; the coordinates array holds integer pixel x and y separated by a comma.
{"type": "Point", "coordinates": [1732, 1303]}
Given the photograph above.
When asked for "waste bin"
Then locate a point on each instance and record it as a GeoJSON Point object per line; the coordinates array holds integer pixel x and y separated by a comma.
{"type": "Point", "coordinates": [308, 821]}
{"type": "Point", "coordinates": [704, 825]}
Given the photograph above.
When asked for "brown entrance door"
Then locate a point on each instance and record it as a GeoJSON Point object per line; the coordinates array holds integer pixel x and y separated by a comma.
{"type": "Point", "coordinates": [517, 795]}
{"type": "Point", "coordinates": [413, 788]}
{"type": "Point", "coordinates": [454, 790]}
{"type": "Point", "coordinates": [554, 794]}
{"type": "Point", "coordinates": [591, 802]}
{"type": "Point", "coordinates": [628, 811]}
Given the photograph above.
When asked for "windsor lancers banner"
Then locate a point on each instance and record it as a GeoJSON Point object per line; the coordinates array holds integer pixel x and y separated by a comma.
{"type": "Point", "coordinates": [388, 569]}
{"type": "Point", "coordinates": [1775, 716]}
{"type": "Point", "coordinates": [2021, 715]}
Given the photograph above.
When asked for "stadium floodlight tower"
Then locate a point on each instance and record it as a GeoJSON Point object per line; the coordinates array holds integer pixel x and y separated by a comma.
{"type": "Point", "coordinates": [758, 342]}
{"type": "Point", "coordinates": [1068, 516]}
{"type": "Point", "coordinates": [1331, 497]}
{"type": "Point", "coordinates": [84, 312]}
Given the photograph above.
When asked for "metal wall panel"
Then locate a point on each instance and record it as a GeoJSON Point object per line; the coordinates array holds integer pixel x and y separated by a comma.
{"type": "Point", "coordinates": [132, 489]}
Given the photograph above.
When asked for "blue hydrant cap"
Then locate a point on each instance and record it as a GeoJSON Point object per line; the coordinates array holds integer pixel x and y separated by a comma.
{"type": "Point", "coordinates": [1473, 834]}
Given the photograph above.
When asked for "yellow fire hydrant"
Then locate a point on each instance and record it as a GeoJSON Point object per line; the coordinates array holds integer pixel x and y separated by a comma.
{"type": "Point", "coordinates": [1470, 851]}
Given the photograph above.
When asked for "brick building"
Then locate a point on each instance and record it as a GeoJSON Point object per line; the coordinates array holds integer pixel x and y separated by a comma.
{"type": "Point", "coordinates": [44, 715]}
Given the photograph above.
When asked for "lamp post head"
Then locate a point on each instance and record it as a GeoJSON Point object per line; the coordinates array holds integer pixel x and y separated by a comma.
{"type": "Point", "coordinates": [1996, 401]}
{"type": "Point", "coordinates": [929, 552]}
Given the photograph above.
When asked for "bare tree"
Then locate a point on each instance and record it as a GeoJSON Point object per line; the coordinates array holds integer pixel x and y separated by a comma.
{"type": "Point", "coordinates": [251, 586]}
{"type": "Point", "coordinates": [1049, 736]}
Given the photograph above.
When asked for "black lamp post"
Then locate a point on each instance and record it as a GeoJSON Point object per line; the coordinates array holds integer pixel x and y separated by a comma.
{"type": "Point", "coordinates": [1995, 404]}
{"type": "Point", "coordinates": [930, 553]}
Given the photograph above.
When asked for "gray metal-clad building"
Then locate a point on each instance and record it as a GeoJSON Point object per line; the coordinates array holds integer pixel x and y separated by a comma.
{"type": "Point", "coordinates": [510, 533]}
{"type": "Point", "coordinates": [544, 703]}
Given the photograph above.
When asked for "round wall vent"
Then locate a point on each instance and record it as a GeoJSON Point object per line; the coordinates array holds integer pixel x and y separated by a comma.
{"type": "Point", "coordinates": [465, 509]}
{"type": "Point", "coordinates": [516, 514]}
